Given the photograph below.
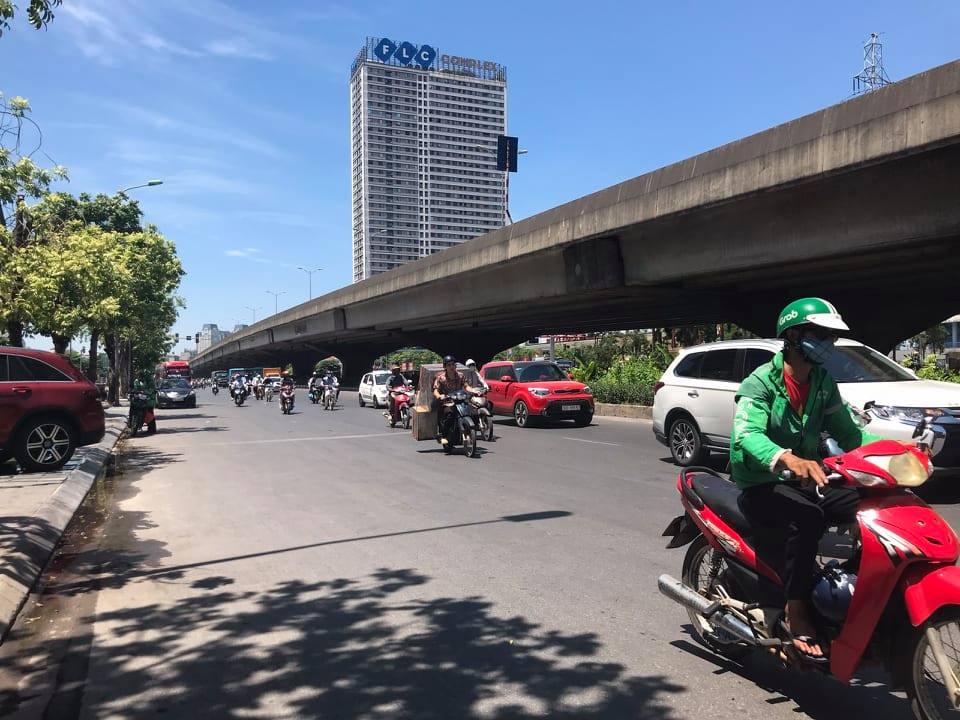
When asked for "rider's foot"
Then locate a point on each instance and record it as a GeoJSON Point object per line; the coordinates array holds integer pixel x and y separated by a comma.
{"type": "Point", "coordinates": [803, 630]}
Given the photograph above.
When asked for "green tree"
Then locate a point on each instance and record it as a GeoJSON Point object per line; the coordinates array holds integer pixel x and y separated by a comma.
{"type": "Point", "coordinates": [39, 13]}
{"type": "Point", "coordinates": [20, 178]}
{"type": "Point", "coordinates": [414, 355]}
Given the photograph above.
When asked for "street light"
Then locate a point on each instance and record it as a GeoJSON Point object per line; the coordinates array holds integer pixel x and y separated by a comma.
{"type": "Point", "coordinates": [275, 296]}
{"type": "Point", "coordinates": [254, 311]}
{"type": "Point", "coordinates": [310, 276]}
{"type": "Point", "coordinates": [149, 183]}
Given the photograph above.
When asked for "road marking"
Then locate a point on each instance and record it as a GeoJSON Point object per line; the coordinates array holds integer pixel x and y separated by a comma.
{"type": "Point", "coordinates": [304, 439]}
{"type": "Point", "coordinates": [592, 442]}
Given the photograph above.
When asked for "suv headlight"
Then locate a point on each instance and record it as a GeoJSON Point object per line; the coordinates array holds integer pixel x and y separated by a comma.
{"type": "Point", "coordinates": [539, 392]}
{"type": "Point", "coordinates": [587, 390]}
{"type": "Point", "coordinates": [908, 415]}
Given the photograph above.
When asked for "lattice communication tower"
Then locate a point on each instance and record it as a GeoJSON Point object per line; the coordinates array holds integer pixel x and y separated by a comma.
{"type": "Point", "coordinates": [873, 75]}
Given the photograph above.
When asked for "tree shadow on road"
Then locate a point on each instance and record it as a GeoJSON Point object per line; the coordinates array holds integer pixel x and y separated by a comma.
{"type": "Point", "coordinates": [374, 646]}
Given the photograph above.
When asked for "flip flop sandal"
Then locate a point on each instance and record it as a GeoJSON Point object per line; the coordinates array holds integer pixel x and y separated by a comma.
{"type": "Point", "coordinates": [807, 657]}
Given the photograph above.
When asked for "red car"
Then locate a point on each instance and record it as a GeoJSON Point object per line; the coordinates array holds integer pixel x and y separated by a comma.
{"type": "Point", "coordinates": [47, 409]}
{"type": "Point", "coordinates": [530, 390]}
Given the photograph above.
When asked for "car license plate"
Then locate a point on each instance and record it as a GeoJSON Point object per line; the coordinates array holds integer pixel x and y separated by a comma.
{"type": "Point", "coordinates": [569, 408]}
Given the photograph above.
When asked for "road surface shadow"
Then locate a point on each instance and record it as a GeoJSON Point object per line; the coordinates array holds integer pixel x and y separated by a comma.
{"type": "Point", "coordinates": [816, 696]}
{"type": "Point", "coordinates": [162, 414]}
{"type": "Point", "coordinates": [177, 430]}
{"type": "Point", "coordinates": [375, 646]}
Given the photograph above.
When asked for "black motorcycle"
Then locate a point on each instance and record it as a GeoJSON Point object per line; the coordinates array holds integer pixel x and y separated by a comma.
{"type": "Point", "coordinates": [459, 426]}
{"type": "Point", "coordinates": [215, 389]}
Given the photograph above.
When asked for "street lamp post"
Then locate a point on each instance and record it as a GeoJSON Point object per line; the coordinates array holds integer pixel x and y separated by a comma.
{"type": "Point", "coordinates": [149, 183]}
{"type": "Point", "coordinates": [275, 296]}
{"type": "Point", "coordinates": [254, 311]}
{"type": "Point", "coordinates": [310, 276]}
{"type": "Point", "coordinates": [506, 181]}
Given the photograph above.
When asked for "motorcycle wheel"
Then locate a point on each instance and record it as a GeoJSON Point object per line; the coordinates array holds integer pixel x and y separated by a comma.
{"type": "Point", "coordinates": [405, 417]}
{"type": "Point", "coordinates": [152, 427]}
{"type": "Point", "coordinates": [136, 422]}
{"type": "Point", "coordinates": [470, 442]}
{"type": "Point", "coordinates": [486, 428]}
{"type": "Point", "coordinates": [696, 575]}
{"type": "Point", "coordinates": [928, 695]}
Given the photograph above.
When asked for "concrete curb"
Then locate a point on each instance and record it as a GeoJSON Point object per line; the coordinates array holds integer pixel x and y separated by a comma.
{"type": "Point", "coordinates": [22, 564]}
{"type": "Point", "coordinates": [634, 412]}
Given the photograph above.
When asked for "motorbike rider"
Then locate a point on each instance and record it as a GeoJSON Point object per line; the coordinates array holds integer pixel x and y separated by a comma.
{"type": "Point", "coordinates": [239, 384]}
{"type": "Point", "coordinates": [472, 365]}
{"type": "Point", "coordinates": [330, 380]}
{"type": "Point", "coordinates": [445, 383]}
{"type": "Point", "coordinates": [782, 407]}
{"type": "Point", "coordinates": [313, 383]}
{"type": "Point", "coordinates": [146, 386]}
{"type": "Point", "coordinates": [396, 381]}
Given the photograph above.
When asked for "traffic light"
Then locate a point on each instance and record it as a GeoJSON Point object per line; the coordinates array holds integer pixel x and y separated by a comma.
{"type": "Point", "coordinates": [507, 149]}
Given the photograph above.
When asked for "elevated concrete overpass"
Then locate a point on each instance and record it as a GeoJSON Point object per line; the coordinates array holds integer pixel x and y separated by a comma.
{"type": "Point", "coordinates": [859, 202]}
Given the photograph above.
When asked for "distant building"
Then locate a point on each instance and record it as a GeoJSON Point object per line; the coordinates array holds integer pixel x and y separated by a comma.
{"type": "Point", "coordinates": [953, 332]}
{"type": "Point", "coordinates": [210, 335]}
{"type": "Point", "coordinates": [423, 140]}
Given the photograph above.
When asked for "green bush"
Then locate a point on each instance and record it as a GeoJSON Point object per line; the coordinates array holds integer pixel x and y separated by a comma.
{"type": "Point", "coordinates": [931, 371]}
{"type": "Point", "coordinates": [630, 381]}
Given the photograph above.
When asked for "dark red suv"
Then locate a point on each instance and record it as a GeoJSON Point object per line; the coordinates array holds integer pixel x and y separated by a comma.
{"type": "Point", "coordinates": [47, 409]}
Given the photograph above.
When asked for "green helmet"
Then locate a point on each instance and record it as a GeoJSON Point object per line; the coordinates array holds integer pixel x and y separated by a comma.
{"type": "Point", "coordinates": [810, 311]}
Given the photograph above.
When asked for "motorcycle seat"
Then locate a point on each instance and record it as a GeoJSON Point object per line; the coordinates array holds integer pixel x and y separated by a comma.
{"type": "Point", "coordinates": [723, 497]}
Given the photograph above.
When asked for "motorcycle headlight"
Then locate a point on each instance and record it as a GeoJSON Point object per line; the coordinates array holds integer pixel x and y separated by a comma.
{"type": "Point", "coordinates": [539, 392]}
{"type": "Point", "coordinates": [905, 469]}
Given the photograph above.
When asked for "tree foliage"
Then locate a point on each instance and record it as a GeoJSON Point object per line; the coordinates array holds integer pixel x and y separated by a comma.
{"type": "Point", "coordinates": [39, 13]}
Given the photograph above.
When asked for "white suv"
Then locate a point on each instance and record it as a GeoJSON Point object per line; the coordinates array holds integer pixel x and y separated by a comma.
{"type": "Point", "coordinates": [693, 404]}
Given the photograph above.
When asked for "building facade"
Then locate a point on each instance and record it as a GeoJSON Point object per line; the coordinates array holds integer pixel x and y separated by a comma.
{"type": "Point", "coordinates": [423, 138]}
{"type": "Point", "coordinates": [210, 335]}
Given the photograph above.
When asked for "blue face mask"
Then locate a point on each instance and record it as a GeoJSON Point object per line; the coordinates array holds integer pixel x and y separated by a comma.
{"type": "Point", "coordinates": [817, 351]}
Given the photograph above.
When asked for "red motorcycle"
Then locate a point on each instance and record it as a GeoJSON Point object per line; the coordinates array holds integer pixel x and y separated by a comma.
{"type": "Point", "coordinates": [402, 399]}
{"type": "Point", "coordinates": [899, 556]}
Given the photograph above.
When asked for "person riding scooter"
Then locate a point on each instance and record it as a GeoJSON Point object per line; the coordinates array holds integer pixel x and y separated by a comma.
{"type": "Point", "coordinates": [330, 380]}
{"type": "Point", "coordinates": [445, 383]}
{"type": "Point", "coordinates": [782, 407]}
{"type": "Point", "coordinates": [395, 383]}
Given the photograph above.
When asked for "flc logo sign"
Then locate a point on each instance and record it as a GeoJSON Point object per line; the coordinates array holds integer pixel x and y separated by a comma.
{"type": "Point", "coordinates": [405, 53]}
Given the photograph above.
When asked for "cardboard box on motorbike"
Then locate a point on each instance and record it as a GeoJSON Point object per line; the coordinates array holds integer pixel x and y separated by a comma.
{"type": "Point", "coordinates": [424, 419]}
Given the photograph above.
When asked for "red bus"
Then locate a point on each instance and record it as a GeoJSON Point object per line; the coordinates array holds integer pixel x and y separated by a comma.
{"type": "Point", "coordinates": [173, 368]}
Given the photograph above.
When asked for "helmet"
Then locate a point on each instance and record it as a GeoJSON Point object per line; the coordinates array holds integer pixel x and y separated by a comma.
{"type": "Point", "coordinates": [449, 359]}
{"type": "Point", "coordinates": [395, 367]}
{"type": "Point", "coordinates": [810, 311]}
{"type": "Point", "coordinates": [833, 592]}
{"type": "Point", "coordinates": [470, 363]}
{"type": "Point", "coordinates": [285, 373]}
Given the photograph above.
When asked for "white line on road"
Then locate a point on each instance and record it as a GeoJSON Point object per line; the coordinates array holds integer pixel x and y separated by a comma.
{"type": "Point", "coordinates": [302, 439]}
{"type": "Point", "coordinates": [592, 442]}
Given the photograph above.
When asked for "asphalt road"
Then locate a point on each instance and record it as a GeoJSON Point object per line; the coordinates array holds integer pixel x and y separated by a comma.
{"type": "Point", "coordinates": [247, 564]}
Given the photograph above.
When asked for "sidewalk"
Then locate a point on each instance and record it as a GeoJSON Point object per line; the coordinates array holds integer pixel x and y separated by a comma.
{"type": "Point", "coordinates": [37, 507]}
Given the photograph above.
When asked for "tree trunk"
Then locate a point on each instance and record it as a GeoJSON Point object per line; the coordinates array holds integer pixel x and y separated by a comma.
{"type": "Point", "coordinates": [113, 393]}
{"type": "Point", "coordinates": [94, 348]}
{"type": "Point", "coordinates": [60, 343]}
{"type": "Point", "coordinates": [15, 333]}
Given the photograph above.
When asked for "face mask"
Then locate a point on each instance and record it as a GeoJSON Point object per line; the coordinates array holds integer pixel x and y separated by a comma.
{"type": "Point", "coordinates": [817, 351]}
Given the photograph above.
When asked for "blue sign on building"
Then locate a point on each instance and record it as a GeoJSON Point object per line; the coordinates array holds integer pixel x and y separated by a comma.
{"type": "Point", "coordinates": [384, 50]}
{"type": "Point", "coordinates": [404, 53]}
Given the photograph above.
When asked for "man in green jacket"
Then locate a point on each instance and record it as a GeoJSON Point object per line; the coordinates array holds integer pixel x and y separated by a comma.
{"type": "Point", "coordinates": [782, 407]}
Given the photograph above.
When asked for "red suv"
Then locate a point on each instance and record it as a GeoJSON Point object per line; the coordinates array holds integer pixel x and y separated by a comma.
{"type": "Point", "coordinates": [528, 390]}
{"type": "Point", "coordinates": [47, 409]}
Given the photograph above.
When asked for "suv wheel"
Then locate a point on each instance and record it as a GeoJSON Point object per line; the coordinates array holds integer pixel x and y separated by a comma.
{"type": "Point", "coordinates": [686, 445]}
{"type": "Point", "coordinates": [521, 414]}
{"type": "Point", "coordinates": [44, 444]}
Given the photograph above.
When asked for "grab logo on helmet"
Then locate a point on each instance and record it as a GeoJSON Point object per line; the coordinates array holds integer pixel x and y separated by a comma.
{"type": "Point", "coordinates": [792, 315]}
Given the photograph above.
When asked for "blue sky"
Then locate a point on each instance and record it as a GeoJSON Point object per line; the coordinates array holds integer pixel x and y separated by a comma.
{"type": "Point", "coordinates": [241, 107]}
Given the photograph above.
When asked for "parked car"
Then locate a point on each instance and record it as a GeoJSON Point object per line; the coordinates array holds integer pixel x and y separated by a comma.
{"type": "Point", "coordinates": [535, 389]}
{"type": "Point", "coordinates": [47, 409]}
{"type": "Point", "coordinates": [176, 393]}
{"type": "Point", "coordinates": [693, 403]}
{"type": "Point", "coordinates": [373, 388]}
